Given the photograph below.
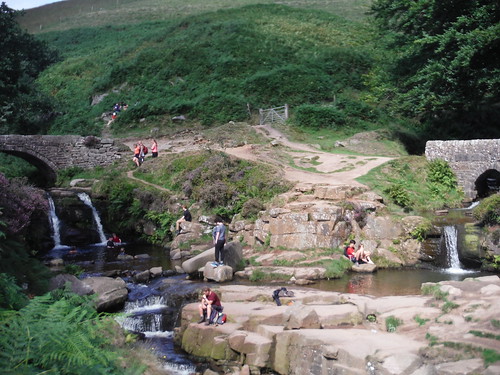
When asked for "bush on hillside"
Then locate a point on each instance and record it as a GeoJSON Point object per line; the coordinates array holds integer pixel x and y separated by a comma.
{"type": "Point", "coordinates": [317, 116]}
{"type": "Point", "coordinates": [488, 211]}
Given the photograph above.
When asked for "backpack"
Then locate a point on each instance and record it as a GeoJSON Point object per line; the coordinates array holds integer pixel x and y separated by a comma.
{"type": "Point", "coordinates": [345, 251]}
{"type": "Point", "coordinates": [145, 150]}
{"type": "Point", "coordinates": [221, 318]}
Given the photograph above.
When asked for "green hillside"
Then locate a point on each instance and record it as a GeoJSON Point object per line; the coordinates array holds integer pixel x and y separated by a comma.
{"type": "Point", "coordinates": [70, 14]}
{"type": "Point", "coordinates": [212, 67]}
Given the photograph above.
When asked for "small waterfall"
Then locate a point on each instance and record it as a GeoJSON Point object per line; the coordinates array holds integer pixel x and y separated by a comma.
{"type": "Point", "coordinates": [450, 249]}
{"type": "Point", "coordinates": [86, 199]}
{"type": "Point", "coordinates": [147, 316]}
{"type": "Point", "coordinates": [54, 222]}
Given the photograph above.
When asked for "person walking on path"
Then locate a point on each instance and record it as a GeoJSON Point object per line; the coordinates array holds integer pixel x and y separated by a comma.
{"type": "Point", "coordinates": [219, 237]}
{"type": "Point", "coordinates": [186, 216]}
{"type": "Point", "coordinates": [210, 301]}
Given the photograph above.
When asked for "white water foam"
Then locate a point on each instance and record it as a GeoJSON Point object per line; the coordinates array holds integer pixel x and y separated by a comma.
{"type": "Point", "coordinates": [84, 197]}
{"type": "Point", "coordinates": [179, 369]}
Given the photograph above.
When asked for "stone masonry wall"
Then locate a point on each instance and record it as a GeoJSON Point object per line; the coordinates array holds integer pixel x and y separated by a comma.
{"type": "Point", "coordinates": [468, 159]}
{"type": "Point", "coordinates": [59, 152]}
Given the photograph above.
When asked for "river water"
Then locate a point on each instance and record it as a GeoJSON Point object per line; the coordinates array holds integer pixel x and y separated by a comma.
{"type": "Point", "coordinates": [151, 311]}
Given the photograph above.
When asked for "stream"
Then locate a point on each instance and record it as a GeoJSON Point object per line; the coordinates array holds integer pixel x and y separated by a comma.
{"type": "Point", "coordinates": [152, 310]}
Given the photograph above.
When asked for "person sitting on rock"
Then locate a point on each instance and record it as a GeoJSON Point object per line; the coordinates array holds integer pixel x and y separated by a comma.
{"type": "Point", "coordinates": [110, 244]}
{"type": "Point", "coordinates": [209, 302]}
{"type": "Point", "coordinates": [362, 256]}
{"type": "Point", "coordinates": [117, 240]}
{"type": "Point", "coordinates": [350, 250]}
{"type": "Point", "coordinates": [186, 216]}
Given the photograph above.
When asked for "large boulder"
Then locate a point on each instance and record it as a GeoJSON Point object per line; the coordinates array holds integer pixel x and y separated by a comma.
{"type": "Point", "coordinates": [76, 285]}
{"type": "Point", "coordinates": [233, 255]}
{"type": "Point", "coordinates": [112, 293]}
{"type": "Point", "coordinates": [218, 274]}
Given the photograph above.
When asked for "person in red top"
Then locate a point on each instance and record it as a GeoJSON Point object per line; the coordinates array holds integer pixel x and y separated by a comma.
{"type": "Point", "coordinates": [350, 250]}
{"type": "Point", "coordinates": [209, 301]}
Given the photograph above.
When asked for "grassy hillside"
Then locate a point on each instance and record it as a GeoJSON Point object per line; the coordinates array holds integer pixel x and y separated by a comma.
{"type": "Point", "coordinates": [92, 13]}
{"type": "Point", "coordinates": [213, 67]}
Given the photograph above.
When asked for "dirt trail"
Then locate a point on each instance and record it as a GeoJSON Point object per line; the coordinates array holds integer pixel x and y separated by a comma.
{"type": "Point", "coordinates": [291, 157]}
{"type": "Point", "coordinates": [330, 169]}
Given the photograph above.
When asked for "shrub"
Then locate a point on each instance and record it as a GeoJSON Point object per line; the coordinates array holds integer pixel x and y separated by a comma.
{"type": "Point", "coordinates": [317, 116]}
{"type": "Point", "coordinates": [251, 208]}
{"type": "Point", "coordinates": [420, 232]}
{"type": "Point", "coordinates": [439, 172]}
{"type": "Point", "coordinates": [488, 211]}
{"type": "Point", "coordinates": [399, 195]}
{"type": "Point", "coordinates": [11, 296]}
{"type": "Point", "coordinates": [392, 323]}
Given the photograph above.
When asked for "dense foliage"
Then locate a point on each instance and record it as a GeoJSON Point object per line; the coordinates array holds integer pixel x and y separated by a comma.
{"type": "Point", "coordinates": [211, 68]}
{"type": "Point", "coordinates": [488, 211]}
{"type": "Point", "coordinates": [23, 108]}
{"type": "Point", "coordinates": [19, 205]}
{"type": "Point", "coordinates": [447, 67]}
{"type": "Point", "coordinates": [221, 184]}
{"type": "Point", "coordinates": [60, 333]}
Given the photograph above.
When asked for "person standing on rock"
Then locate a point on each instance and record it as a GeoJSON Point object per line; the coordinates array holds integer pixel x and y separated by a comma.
{"type": "Point", "coordinates": [219, 237]}
{"type": "Point", "coordinates": [210, 301]}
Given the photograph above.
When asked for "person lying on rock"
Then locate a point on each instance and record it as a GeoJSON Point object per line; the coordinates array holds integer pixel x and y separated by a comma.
{"type": "Point", "coordinates": [362, 256]}
{"type": "Point", "coordinates": [210, 303]}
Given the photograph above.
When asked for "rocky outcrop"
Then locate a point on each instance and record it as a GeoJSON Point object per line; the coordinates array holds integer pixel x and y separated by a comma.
{"type": "Point", "coordinates": [317, 216]}
{"type": "Point", "coordinates": [111, 293]}
{"type": "Point", "coordinates": [333, 333]}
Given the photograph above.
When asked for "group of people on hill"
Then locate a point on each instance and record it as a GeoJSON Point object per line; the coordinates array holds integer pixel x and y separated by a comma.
{"type": "Point", "coordinates": [117, 108]}
{"type": "Point", "coordinates": [359, 256]}
{"type": "Point", "coordinates": [140, 152]}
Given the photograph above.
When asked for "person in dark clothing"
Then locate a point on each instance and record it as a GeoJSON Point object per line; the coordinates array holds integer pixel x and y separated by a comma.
{"type": "Point", "coordinates": [186, 216]}
{"type": "Point", "coordinates": [219, 237]}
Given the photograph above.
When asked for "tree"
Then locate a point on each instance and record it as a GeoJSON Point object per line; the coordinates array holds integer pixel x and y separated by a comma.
{"type": "Point", "coordinates": [23, 108]}
{"type": "Point", "coordinates": [448, 53]}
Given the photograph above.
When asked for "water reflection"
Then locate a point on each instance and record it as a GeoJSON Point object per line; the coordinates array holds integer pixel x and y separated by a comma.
{"type": "Point", "coordinates": [391, 282]}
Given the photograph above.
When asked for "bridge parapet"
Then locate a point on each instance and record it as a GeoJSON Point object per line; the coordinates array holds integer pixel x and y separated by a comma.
{"type": "Point", "coordinates": [468, 159]}
{"type": "Point", "coordinates": [54, 152]}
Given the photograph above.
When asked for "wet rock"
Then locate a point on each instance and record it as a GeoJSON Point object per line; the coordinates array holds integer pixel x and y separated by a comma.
{"type": "Point", "coordinates": [364, 268]}
{"type": "Point", "coordinates": [142, 277]}
{"type": "Point", "coordinates": [112, 293]}
{"type": "Point", "coordinates": [156, 271]}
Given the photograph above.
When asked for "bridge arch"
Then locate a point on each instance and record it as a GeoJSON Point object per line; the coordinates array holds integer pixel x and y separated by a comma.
{"type": "Point", "coordinates": [476, 163]}
{"type": "Point", "coordinates": [51, 153]}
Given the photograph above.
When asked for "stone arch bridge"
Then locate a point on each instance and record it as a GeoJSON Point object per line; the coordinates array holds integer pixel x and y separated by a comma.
{"type": "Point", "coordinates": [51, 153]}
{"type": "Point", "coordinates": [476, 163]}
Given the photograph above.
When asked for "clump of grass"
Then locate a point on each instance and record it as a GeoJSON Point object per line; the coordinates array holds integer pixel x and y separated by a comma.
{"type": "Point", "coordinates": [392, 323]}
{"type": "Point", "coordinates": [419, 320]}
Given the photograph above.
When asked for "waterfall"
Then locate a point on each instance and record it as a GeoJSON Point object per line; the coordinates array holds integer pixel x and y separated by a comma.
{"type": "Point", "coordinates": [450, 236]}
{"type": "Point", "coordinates": [147, 316]}
{"type": "Point", "coordinates": [86, 199]}
{"type": "Point", "coordinates": [54, 222]}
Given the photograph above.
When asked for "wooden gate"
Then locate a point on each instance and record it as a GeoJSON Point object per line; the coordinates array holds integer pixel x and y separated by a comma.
{"type": "Point", "coordinates": [272, 115]}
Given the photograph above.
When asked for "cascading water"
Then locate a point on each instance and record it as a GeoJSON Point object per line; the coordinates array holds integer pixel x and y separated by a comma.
{"type": "Point", "coordinates": [150, 316]}
{"type": "Point", "coordinates": [54, 222]}
{"type": "Point", "coordinates": [86, 199]}
{"type": "Point", "coordinates": [450, 234]}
